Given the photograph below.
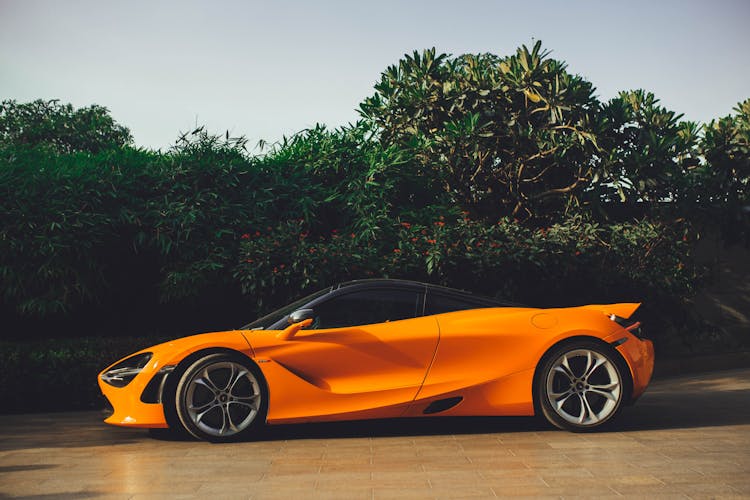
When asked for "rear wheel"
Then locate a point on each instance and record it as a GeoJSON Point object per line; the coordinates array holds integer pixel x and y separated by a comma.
{"type": "Point", "coordinates": [221, 397]}
{"type": "Point", "coordinates": [581, 386]}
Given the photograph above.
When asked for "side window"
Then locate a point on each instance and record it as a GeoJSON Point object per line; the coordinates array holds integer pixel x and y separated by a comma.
{"type": "Point", "coordinates": [366, 307]}
{"type": "Point", "coordinates": [438, 304]}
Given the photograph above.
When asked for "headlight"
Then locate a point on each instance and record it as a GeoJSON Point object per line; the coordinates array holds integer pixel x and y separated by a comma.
{"type": "Point", "coordinates": [123, 372]}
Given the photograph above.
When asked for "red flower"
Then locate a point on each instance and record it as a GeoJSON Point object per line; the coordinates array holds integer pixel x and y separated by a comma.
{"type": "Point", "coordinates": [245, 236]}
{"type": "Point", "coordinates": [440, 223]}
{"type": "Point", "coordinates": [249, 261]}
{"type": "Point", "coordinates": [431, 242]}
{"type": "Point", "coordinates": [406, 225]}
{"type": "Point", "coordinates": [578, 252]}
{"type": "Point", "coordinates": [334, 231]}
{"type": "Point", "coordinates": [396, 250]}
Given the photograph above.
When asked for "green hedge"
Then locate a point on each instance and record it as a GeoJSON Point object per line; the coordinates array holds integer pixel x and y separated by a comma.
{"type": "Point", "coordinates": [575, 258]}
{"type": "Point", "coordinates": [59, 374]}
{"type": "Point", "coordinates": [504, 175]}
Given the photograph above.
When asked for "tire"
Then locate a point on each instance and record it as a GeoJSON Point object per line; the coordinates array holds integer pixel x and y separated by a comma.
{"type": "Point", "coordinates": [581, 386]}
{"type": "Point", "coordinates": [221, 397]}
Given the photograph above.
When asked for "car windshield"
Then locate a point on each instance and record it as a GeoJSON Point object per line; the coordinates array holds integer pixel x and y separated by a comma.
{"type": "Point", "coordinates": [269, 319]}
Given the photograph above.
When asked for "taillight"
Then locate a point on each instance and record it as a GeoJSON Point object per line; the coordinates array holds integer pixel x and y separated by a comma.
{"type": "Point", "coordinates": [629, 324]}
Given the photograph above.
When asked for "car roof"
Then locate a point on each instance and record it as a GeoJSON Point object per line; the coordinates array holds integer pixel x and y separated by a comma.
{"type": "Point", "coordinates": [417, 285]}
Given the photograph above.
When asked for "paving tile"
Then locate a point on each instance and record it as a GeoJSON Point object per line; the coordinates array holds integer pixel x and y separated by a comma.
{"type": "Point", "coordinates": [454, 479]}
{"type": "Point", "coordinates": [351, 493]}
{"type": "Point", "coordinates": [662, 451]}
{"type": "Point", "coordinates": [648, 490]}
{"type": "Point", "coordinates": [473, 492]}
{"type": "Point", "coordinates": [404, 492]}
{"type": "Point", "coordinates": [524, 490]}
{"type": "Point", "coordinates": [740, 485]}
{"type": "Point", "coordinates": [515, 483]}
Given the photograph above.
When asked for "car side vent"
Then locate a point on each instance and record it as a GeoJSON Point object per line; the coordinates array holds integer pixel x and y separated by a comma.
{"type": "Point", "coordinates": [153, 391]}
{"type": "Point", "coordinates": [442, 405]}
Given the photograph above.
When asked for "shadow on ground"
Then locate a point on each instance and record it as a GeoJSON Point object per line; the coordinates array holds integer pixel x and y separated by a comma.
{"type": "Point", "coordinates": [702, 400]}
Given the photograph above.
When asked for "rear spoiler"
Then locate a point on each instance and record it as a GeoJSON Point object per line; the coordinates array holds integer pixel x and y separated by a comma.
{"type": "Point", "coordinates": [623, 310]}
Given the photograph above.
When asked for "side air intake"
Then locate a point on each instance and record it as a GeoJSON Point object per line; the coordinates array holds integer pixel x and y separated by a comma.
{"type": "Point", "coordinates": [442, 405]}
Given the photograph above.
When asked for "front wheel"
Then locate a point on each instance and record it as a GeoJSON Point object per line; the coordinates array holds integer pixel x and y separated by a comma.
{"type": "Point", "coordinates": [581, 386]}
{"type": "Point", "coordinates": [221, 397]}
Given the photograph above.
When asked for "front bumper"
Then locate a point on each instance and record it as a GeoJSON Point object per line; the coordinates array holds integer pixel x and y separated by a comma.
{"type": "Point", "coordinates": [128, 410]}
{"type": "Point", "coordinates": [138, 404]}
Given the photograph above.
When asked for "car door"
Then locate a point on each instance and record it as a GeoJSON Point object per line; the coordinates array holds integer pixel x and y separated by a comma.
{"type": "Point", "coordinates": [365, 349]}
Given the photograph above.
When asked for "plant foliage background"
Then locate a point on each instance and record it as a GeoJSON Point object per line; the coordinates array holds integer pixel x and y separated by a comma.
{"type": "Point", "coordinates": [505, 175]}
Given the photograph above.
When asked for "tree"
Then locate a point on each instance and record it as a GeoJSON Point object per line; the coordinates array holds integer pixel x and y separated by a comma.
{"type": "Point", "coordinates": [501, 136]}
{"type": "Point", "coordinates": [60, 126]}
{"type": "Point", "coordinates": [648, 154]}
{"type": "Point", "coordinates": [726, 147]}
{"type": "Point", "coordinates": [725, 180]}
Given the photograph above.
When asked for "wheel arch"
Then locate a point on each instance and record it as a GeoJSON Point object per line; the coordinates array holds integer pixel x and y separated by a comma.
{"type": "Point", "coordinates": [170, 386]}
{"type": "Point", "coordinates": [619, 359]}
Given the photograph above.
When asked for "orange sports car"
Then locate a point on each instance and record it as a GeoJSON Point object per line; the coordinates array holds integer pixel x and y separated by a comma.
{"type": "Point", "coordinates": [387, 348]}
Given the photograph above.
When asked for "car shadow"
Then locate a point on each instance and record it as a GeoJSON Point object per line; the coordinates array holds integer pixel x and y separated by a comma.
{"type": "Point", "coordinates": [55, 496]}
{"type": "Point", "coordinates": [62, 430]}
{"type": "Point", "coordinates": [401, 427]}
{"type": "Point", "coordinates": [701, 400]}
{"type": "Point", "coordinates": [4, 469]}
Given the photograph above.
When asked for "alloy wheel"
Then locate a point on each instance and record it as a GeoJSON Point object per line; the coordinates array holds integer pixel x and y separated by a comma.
{"type": "Point", "coordinates": [583, 387]}
{"type": "Point", "coordinates": [222, 399]}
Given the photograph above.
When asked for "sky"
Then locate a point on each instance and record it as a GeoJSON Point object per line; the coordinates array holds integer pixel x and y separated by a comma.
{"type": "Point", "coordinates": [269, 69]}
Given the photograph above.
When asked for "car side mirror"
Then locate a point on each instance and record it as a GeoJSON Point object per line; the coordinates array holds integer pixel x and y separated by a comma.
{"type": "Point", "coordinates": [291, 330]}
{"type": "Point", "coordinates": [300, 315]}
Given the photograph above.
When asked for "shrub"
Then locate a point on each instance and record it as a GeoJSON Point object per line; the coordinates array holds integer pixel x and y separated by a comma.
{"type": "Point", "coordinates": [58, 374]}
{"type": "Point", "coordinates": [571, 262]}
{"type": "Point", "coordinates": [65, 222]}
{"type": "Point", "coordinates": [94, 231]}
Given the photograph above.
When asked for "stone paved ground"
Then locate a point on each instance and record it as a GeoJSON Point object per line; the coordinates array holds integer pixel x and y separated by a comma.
{"type": "Point", "coordinates": [688, 437]}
